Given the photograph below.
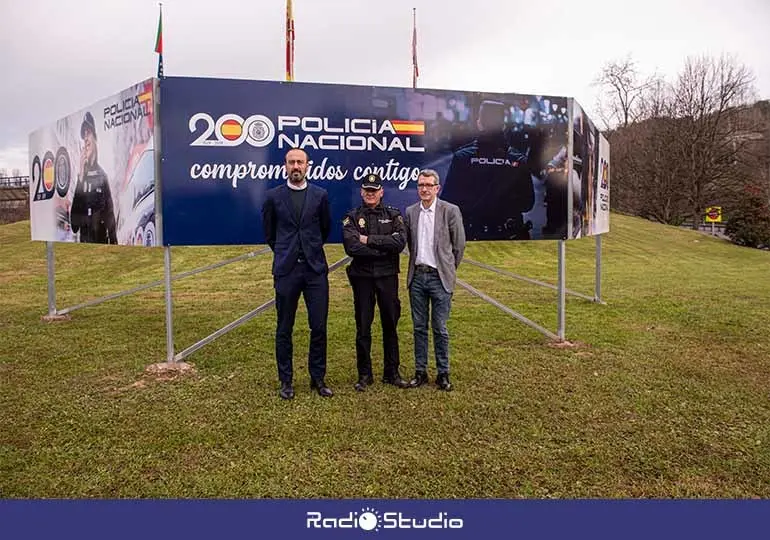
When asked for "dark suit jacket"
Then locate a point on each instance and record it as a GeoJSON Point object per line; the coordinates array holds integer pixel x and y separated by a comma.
{"type": "Point", "coordinates": [285, 234]}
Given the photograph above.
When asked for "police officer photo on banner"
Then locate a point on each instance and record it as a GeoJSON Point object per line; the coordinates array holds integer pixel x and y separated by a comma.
{"type": "Point", "coordinates": [497, 154]}
{"type": "Point", "coordinates": [93, 173]}
{"type": "Point", "coordinates": [92, 214]}
{"type": "Point", "coordinates": [374, 235]}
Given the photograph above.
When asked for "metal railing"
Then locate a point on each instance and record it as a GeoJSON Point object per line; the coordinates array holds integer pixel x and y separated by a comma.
{"type": "Point", "coordinates": [14, 181]}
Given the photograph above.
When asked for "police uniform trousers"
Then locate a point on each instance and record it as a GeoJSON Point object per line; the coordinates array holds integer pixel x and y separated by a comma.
{"type": "Point", "coordinates": [384, 292]}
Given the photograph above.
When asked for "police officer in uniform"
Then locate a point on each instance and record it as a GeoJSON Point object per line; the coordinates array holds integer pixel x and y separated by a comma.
{"type": "Point", "coordinates": [92, 212]}
{"type": "Point", "coordinates": [374, 235]}
{"type": "Point", "coordinates": [491, 181]}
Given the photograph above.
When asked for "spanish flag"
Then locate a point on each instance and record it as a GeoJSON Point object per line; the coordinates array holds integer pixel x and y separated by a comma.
{"type": "Point", "coordinates": [289, 42]}
{"type": "Point", "coordinates": [408, 127]}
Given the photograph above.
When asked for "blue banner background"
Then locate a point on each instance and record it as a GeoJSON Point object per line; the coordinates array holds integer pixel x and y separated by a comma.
{"type": "Point", "coordinates": [213, 212]}
{"type": "Point", "coordinates": [532, 519]}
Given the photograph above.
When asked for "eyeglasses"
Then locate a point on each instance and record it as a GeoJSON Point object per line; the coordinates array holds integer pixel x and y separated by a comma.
{"type": "Point", "coordinates": [425, 186]}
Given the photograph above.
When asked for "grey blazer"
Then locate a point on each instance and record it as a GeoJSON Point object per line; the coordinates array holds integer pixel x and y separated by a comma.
{"type": "Point", "coordinates": [448, 241]}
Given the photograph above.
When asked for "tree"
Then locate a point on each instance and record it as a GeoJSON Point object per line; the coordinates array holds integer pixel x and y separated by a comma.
{"type": "Point", "coordinates": [619, 104]}
{"type": "Point", "coordinates": [678, 148]}
{"type": "Point", "coordinates": [708, 97]}
{"type": "Point", "coordinates": [749, 222]}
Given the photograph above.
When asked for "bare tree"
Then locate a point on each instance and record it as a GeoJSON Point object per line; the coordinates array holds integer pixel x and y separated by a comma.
{"type": "Point", "coordinates": [622, 88]}
{"type": "Point", "coordinates": [678, 148]}
{"type": "Point", "coordinates": [709, 97]}
{"type": "Point", "coordinates": [647, 178]}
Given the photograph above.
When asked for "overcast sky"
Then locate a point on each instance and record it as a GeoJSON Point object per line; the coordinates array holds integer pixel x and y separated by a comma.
{"type": "Point", "coordinates": [57, 57]}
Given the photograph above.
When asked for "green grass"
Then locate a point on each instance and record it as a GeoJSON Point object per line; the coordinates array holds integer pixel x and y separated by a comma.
{"type": "Point", "coordinates": [667, 394]}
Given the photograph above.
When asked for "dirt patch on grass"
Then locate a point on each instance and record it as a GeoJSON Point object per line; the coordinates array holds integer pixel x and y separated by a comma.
{"type": "Point", "coordinates": [568, 345]}
{"type": "Point", "coordinates": [162, 372]}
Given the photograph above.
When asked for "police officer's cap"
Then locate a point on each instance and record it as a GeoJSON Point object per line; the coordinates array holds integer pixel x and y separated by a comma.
{"type": "Point", "coordinates": [372, 181]}
{"type": "Point", "coordinates": [88, 123]}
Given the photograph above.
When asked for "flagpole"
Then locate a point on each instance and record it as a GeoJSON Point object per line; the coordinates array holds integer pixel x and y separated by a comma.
{"type": "Point", "coordinates": [159, 40]}
{"type": "Point", "coordinates": [415, 71]}
{"type": "Point", "coordinates": [289, 41]}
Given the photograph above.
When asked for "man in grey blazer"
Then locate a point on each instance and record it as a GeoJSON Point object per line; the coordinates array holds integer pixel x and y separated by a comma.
{"type": "Point", "coordinates": [436, 240]}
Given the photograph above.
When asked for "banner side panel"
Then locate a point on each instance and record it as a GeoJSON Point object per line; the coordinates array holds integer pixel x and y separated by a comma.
{"type": "Point", "coordinates": [92, 173]}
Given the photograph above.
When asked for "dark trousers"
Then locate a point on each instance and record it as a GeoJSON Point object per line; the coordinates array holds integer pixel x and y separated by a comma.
{"type": "Point", "coordinates": [315, 290]}
{"type": "Point", "coordinates": [384, 292]}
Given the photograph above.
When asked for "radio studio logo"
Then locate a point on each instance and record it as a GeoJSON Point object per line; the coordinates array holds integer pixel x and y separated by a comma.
{"type": "Point", "coordinates": [370, 519]}
{"type": "Point", "coordinates": [307, 132]}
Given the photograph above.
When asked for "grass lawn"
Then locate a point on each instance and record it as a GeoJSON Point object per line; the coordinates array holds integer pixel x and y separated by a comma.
{"type": "Point", "coordinates": [666, 395]}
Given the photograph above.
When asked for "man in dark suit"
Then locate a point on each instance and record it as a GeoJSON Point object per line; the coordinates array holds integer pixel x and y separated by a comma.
{"type": "Point", "coordinates": [436, 240]}
{"type": "Point", "coordinates": [296, 220]}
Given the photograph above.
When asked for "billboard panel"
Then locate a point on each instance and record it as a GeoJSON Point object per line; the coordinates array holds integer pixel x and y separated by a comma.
{"type": "Point", "coordinates": [92, 173]}
{"type": "Point", "coordinates": [601, 211]}
{"type": "Point", "coordinates": [501, 157]}
{"type": "Point", "coordinates": [589, 177]}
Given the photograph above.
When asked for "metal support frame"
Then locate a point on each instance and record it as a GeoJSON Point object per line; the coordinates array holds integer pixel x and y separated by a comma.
{"type": "Point", "coordinates": [225, 329]}
{"type": "Point", "coordinates": [146, 285]}
{"type": "Point", "coordinates": [508, 310]}
{"type": "Point", "coordinates": [169, 318]}
{"type": "Point", "coordinates": [51, 279]}
{"type": "Point", "coordinates": [562, 288]}
{"type": "Point", "coordinates": [522, 278]}
{"type": "Point", "coordinates": [598, 279]}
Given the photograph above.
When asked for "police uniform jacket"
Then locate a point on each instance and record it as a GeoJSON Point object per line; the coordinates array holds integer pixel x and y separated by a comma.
{"type": "Point", "coordinates": [386, 232]}
{"type": "Point", "coordinates": [490, 182]}
{"type": "Point", "coordinates": [92, 209]}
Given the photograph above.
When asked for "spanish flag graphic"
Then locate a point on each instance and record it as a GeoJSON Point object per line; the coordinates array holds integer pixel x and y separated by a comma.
{"type": "Point", "coordinates": [231, 129]}
{"type": "Point", "coordinates": [48, 174]}
{"type": "Point", "coordinates": [408, 127]}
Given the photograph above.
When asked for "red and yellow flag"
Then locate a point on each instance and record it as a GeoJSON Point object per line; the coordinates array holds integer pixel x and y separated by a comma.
{"type": "Point", "coordinates": [408, 127]}
{"type": "Point", "coordinates": [289, 42]}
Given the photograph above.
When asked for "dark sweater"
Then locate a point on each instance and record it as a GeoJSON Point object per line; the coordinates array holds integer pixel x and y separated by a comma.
{"type": "Point", "coordinates": [297, 202]}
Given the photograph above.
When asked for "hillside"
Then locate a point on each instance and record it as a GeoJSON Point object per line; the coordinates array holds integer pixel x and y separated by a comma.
{"type": "Point", "coordinates": [665, 395]}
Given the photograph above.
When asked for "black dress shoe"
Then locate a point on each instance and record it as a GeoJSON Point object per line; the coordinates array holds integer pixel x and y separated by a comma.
{"type": "Point", "coordinates": [420, 378]}
{"type": "Point", "coordinates": [442, 381]}
{"type": "Point", "coordinates": [320, 387]}
{"type": "Point", "coordinates": [286, 392]}
{"type": "Point", "coordinates": [395, 380]}
{"type": "Point", "coordinates": [363, 382]}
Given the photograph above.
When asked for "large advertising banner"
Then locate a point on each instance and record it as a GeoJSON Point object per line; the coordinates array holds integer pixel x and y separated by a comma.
{"type": "Point", "coordinates": [502, 158]}
{"type": "Point", "coordinates": [92, 174]}
{"type": "Point", "coordinates": [589, 177]}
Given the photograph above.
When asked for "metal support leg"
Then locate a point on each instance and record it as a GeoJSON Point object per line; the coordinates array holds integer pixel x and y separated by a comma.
{"type": "Point", "coordinates": [561, 285]}
{"type": "Point", "coordinates": [598, 282]}
{"type": "Point", "coordinates": [51, 279]}
{"type": "Point", "coordinates": [169, 319]}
